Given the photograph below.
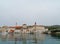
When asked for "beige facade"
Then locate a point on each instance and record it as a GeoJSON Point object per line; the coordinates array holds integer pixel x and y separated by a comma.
{"type": "Point", "coordinates": [24, 26]}
{"type": "Point", "coordinates": [38, 28]}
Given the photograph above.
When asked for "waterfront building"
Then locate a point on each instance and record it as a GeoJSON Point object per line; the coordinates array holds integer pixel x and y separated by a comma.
{"type": "Point", "coordinates": [17, 29]}
{"type": "Point", "coordinates": [0, 29]}
{"type": "Point", "coordinates": [24, 26]}
{"type": "Point", "coordinates": [4, 28]}
{"type": "Point", "coordinates": [34, 28]}
{"type": "Point", "coordinates": [39, 28]}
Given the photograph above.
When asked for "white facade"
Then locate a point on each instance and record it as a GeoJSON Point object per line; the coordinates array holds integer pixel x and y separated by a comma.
{"type": "Point", "coordinates": [39, 29]}
{"type": "Point", "coordinates": [10, 29]}
{"type": "Point", "coordinates": [24, 26]}
{"type": "Point", "coordinates": [17, 31]}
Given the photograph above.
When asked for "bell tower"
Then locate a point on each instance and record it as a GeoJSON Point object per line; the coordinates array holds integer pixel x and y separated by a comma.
{"type": "Point", "coordinates": [16, 23]}
{"type": "Point", "coordinates": [35, 26]}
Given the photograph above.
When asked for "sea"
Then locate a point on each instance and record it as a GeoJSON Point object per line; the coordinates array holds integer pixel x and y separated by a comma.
{"type": "Point", "coordinates": [24, 38]}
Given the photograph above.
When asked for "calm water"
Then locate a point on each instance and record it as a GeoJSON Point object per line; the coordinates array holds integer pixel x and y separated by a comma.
{"type": "Point", "coordinates": [28, 39]}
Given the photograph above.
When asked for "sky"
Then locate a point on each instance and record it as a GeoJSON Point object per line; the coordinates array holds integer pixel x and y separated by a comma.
{"type": "Point", "coordinates": [43, 12]}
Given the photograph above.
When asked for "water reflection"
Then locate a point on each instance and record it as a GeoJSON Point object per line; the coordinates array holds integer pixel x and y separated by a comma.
{"type": "Point", "coordinates": [23, 38]}
{"type": "Point", "coordinates": [28, 38]}
{"type": "Point", "coordinates": [3, 37]}
{"type": "Point", "coordinates": [55, 36]}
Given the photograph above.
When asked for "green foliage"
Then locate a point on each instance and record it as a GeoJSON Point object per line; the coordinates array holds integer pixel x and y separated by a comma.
{"type": "Point", "coordinates": [53, 27]}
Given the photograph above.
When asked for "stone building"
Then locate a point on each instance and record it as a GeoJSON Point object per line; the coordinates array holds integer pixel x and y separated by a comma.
{"type": "Point", "coordinates": [37, 28]}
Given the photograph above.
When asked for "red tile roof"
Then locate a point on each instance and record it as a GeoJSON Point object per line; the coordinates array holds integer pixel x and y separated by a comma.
{"type": "Point", "coordinates": [17, 27]}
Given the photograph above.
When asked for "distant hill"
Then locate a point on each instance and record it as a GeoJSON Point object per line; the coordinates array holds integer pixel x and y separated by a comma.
{"type": "Point", "coordinates": [53, 27]}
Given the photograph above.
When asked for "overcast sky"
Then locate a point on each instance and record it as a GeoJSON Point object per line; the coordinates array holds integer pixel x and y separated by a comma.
{"type": "Point", "coordinates": [44, 12]}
